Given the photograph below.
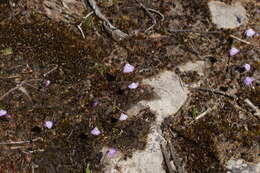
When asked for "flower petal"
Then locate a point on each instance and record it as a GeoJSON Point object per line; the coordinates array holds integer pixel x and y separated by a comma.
{"type": "Point", "coordinates": [123, 117]}
{"type": "Point", "coordinates": [48, 124]}
{"type": "Point", "coordinates": [233, 51]}
{"type": "Point", "coordinates": [128, 68]}
{"type": "Point", "coordinates": [111, 152]}
{"type": "Point", "coordinates": [247, 67]}
{"type": "Point", "coordinates": [95, 104]}
{"type": "Point", "coordinates": [47, 83]}
{"type": "Point", "coordinates": [133, 85]}
{"type": "Point", "coordinates": [95, 131]}
{"type": "Point", "coordinates": [3, 112]}
{"type": "Point", "coordinates": [250, 32]}
{"type": "Point", "coordinates": [249, 80]}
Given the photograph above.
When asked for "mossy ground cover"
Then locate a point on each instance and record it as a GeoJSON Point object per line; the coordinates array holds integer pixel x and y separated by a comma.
{"type": "Point", "coordinates": [83, 71]}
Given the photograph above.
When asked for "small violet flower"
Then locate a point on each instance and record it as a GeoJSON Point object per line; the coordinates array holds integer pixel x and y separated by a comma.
{"type": "Point", "coordinates": [3, 112]}
{"type": "Point", "coordinates": [48, 124]}
{"type": "Point", "coordinates": [250, 32]}
{"type": "Point", "coordinates": [95, 131]}
{"type": "Point", "coordinates": [111, 152]}
{"type": "Point", "coordinates": [94, 104]}
{"type": "Point", "coordinates": [133, 85]}
{"type": "Point", "coordinates": [248, 80]}
{"type": "Point", "coordinates": [247, 67]}
{"type": "Point", "coordinates": [233, 51]}
{"type": "Point", "coordinates": [123, 117]}
{"type": "Point", "coordinates": [47, 83]}
{"type": "Point", "coordinates": [128, 68]}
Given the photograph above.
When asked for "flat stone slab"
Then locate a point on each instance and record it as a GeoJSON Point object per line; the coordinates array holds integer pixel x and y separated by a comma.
{"type": "Point", "coordinates": [198, 66]}
{"type": "Point", "coordinates": [240, 166]}
{"type": "Point", "coordinates": [227, 16]}
{"type": "Point", "coordinates": [170, 97]}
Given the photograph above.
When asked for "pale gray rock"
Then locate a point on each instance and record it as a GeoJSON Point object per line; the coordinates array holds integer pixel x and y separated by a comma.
{"type": "Point", "coordinates": [241, 166]}
{"type": "Point", "coordinates": [227, 16]}
{"type": "Point", "coordinates": [171, 96]}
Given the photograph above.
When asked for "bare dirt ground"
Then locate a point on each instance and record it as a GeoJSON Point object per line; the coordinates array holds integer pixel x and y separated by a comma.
{"type": "Point", "coordinates": [37, 46]}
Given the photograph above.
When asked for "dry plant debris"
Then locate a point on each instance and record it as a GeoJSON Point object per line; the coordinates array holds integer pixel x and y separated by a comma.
{"type": "Point", "coordinates": [78, 89]}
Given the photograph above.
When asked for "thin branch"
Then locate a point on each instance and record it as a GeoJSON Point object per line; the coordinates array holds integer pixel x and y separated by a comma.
{"type": "Point", "coordinates": [55, 68]}
{"type": "Point", "coordinates": [157, 12]}
{"type": "Point", "coordinates": [149, 14]}
{"type": "Point", "coordinates": [243, 41]}
{"type": "Point", "coordinates": [80, 29]}
{"type": "Point", "coordinates": [255, 108]}
{"type": "Point", "coordinates": [21, 142]}
{"type": "Point", "coordinates": [176, 159]}
{"type": "Point", "coordinates": [24, 91]}
{"type": "Point", "coordinates": [215, 91]}
{"type": "Point", "coordinates": [11, 77]}
{"type": "Point", "coordinates": [206, 112]}
{"type": "Point", "coordinates": [9, 92]}
{"type": "Point", "coordinates": [190, 30]}
{"type": "Point", "coordinates": [239, 39]}
{"type": "Point", "coordinates": [166, 156]}
{"type": "Point", "coordinates": [112, 29]}
{"type": "Point", "coordinates": [21, 88]}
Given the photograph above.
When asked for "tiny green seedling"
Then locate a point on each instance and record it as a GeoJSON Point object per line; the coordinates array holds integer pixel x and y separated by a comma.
{"type": "Point", "coordinates": [194, 111]}
{"type": "Point", "coordinates": [87, 170]}
{"type": "Point", "coordinates": [7, 51]}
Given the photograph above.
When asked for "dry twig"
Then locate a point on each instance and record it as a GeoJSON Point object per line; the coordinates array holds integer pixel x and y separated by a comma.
{"type": "Point", "coordinates": [167, 159]}
{"type": "Point", "coordinates": [215, 91]}
{"type": "Point", "coordinates": [21, 142]}
{"type": "Point", "coordinates": [191, 30]}
{"type": "Point", "coordinates": [206, 112]}
{"type": "Point", "coordinates": [112, 29]}
{"type": "Point", "coordinates": [244, 41]}
{"type": "Point", "coordinates": [52, 70]}
{"type": "Point", "coordinates": [149, 14]}
{"type": "Point", "coordinates": [239, 39]}
{"type": "Point", "coordinates": [176, 159]}
{"type": "Point", "coordinates": [20, 88]}
{"type": "Point", "coordinates": [255, 108]}
{"type": "Point", "coordinates": [79, 25]}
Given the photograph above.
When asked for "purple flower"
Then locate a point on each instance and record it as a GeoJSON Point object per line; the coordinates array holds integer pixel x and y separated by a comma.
{"type": "Point", "coordinates": [250, 32]}
{"type": "Point", "coordinates": [247, 67]}
{"type": "Point", "coordinates": [47, 83]}
{"type": "Point", "coordinates": [133, 85]}
{"type": "Point", "coordinates": [111, 152]}
{"type": "Point", "coordinates": [248, 80]}
{"type": "Point", "coordinates": [3, 112]}
{"type": "Point", "coordinates": [123, 117]}
{"type": "Point", "coordinates": [48, 124]}
{"type": "Point", "coordinates": [128, 68]}
{"type": "Point", "coordinates": [95, 131]}
{"type": "Point", "coordinates": [233, 51]}
{"type": "Point", "coordinates": [95, 103]}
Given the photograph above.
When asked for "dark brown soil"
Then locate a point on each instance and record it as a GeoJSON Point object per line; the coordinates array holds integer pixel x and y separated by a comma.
{"type": "Point", "coordinates": [83, 71]}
